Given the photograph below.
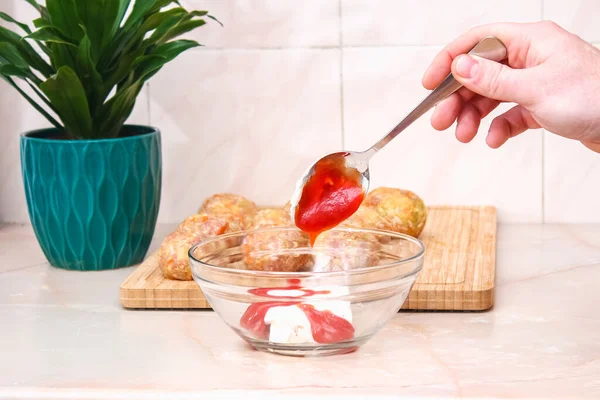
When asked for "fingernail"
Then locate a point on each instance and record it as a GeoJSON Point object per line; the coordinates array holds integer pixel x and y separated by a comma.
{"type": "Point", "coordinates": [466, 66]}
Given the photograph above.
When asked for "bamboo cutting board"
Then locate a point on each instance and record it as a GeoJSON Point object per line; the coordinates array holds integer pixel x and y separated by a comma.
{"type": "Point", "coordinates": [458, 271]}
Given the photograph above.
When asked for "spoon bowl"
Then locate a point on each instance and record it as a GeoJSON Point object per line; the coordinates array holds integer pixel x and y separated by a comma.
{"type": "Point", "coordinates": [352, 160]}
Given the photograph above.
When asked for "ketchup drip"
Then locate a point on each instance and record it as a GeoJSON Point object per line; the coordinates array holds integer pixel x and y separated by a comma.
{"type": "Point", "coordinates": [254, 318]}
{"type": "Point", "coordinates": [325, 326]}
{"type": "Point", "coordinates": [264, 292]}
{"type": "Point", "coordinates": [331, 195]}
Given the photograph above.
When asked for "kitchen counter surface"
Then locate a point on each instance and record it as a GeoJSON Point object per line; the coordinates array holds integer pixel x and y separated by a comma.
{"type": "Point", "coordinates": [64, 335]}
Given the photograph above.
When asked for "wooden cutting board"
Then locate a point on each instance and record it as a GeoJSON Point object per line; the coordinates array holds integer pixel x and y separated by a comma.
{"type": "Point", "coordinates": [458, 273]}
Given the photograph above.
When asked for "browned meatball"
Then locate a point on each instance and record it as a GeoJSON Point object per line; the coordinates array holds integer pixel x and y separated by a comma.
{"type": "Point", "coordinates": [257, 242]}
{"type": "Point", "coordinates": [206, 224]}
{"type": "Point", "coordinates": [345, 250]}
{"type": "Point", "coordinates": [237, 210]}
{"type": "Point", "coordinates": [173, 254]}
{"type": "Point", "coordinates": [403, 210]}
{"type": "Point", "coordinates": [367, 218]}
{"type": "Point", "coordinates": [271, 217]}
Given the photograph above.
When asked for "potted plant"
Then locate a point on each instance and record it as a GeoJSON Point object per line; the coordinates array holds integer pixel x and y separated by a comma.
{"type": "Point", "coordinates": [92, 183]}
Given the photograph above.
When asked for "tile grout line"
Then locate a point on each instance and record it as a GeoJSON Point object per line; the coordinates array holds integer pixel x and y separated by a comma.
{"type": "Point", "coordinates": [341, 47]}
{"type": "Point", "coordinates": [542, 9]}
{"type": "Point", "coordinates": [148, 103]}
{"type": "Point", "coordinates": [543, 177]}
{"type": "Point", "coordinates": [323, 47]}
{"type": "Point", "coordinates": [543, 199]}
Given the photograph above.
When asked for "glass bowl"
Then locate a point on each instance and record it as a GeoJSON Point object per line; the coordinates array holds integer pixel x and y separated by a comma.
{"type": "Point", "coordinates": [283, 296]}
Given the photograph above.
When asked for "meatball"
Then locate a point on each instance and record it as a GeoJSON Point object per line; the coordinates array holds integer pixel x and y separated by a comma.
{"type": "Point", "coordinates": [275, 243]}
{"type": "Point", "coordinates": [403, 210]}
{"type": "Point", "coordinates": [287, 207]}
{"type": "Point", "coordinates": [345, 250]}
{"type": "Point", "coordinates": [271, 217]}
{"type": "Point", "coordinates": [207, 225]}
{"type": "Point", "coordinates": [173, 254]}
{"type": "Point", "coordinates": [367, 218]}
{"type": "Point", "coordinates": [236, 209]}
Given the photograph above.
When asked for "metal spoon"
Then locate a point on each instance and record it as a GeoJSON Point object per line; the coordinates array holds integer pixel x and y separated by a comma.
{"type": "Point", "coordinates": [489, 47]}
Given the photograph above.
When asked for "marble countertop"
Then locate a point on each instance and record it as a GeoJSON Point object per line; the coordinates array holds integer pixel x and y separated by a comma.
{"type": "Point", "coordinates": [64, 335]}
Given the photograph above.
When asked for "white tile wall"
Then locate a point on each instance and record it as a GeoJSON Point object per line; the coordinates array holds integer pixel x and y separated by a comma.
{"type": "Point", "coordinates": [571, 181]}
{"type": "Point", "coordinates": [425, 22]}
{"type": "Point", "coordinates": [269, 23]}
{"type": "Point", "coordinates": [273, 90]}
{"type": "Point", "coordinates": [246, 121]}
{"type": "Point", "coordinates": [578, 16]}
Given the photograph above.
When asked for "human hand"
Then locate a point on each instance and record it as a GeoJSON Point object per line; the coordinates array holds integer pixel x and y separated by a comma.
{"type": "Point", "coordinates": [552, 75]}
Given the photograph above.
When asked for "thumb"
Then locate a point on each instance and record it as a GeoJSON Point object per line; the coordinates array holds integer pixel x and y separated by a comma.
{"type": "Point", "coordinates": [491, 79]}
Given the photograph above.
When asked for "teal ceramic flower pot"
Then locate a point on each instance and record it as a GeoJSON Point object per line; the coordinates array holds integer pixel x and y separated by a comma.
{"type": "Point", "coordinates": [93, 204]}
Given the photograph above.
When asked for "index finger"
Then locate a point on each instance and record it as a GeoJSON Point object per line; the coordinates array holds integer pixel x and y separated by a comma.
{"type": "Point", "coordinates": [513, 35]}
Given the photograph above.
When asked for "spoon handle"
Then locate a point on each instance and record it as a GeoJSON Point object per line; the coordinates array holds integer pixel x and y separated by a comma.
{"type": "Point", "coordinates": [489, 47]}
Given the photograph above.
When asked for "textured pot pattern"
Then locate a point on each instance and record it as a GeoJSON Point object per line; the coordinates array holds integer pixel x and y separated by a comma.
{"type": "Point", "coordinates": [93, 204]}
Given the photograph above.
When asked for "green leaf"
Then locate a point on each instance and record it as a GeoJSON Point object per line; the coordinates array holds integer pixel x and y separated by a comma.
{"type": "Point", "coordinates": [63, 14]}
{"type": "Point", "coordinates": [198, 13]}
{"type": "Point", "coordinates": [140, 8]}
{"type": "Point", "coordinates": [99, 17]}
{"type": "Point", "coordinates": [93, 49]}
{"type": "Point", "coordinates": [44, 48]}
{"type": "Point", "coordinates": [144, 17]}
{"type": "Point", "coordinates": [182, 28]}
{"type": "Point", "coordinates": [168, 52]}
{"type": "Point", "coordinates": [169, 21]}
{"type": "Point", "coordinates": [215, 19]}
{"type": "Point", "coordinates": [8, 18]}
{"type": "Point", "coordinates": [123, 6]}
{"type": "Point", "coordinates": [63, 55]}
{"type": "Point", "coordinates": [163, 32]}
{"type": "Point", "coordinates": [65, 92]}
{"type": "Point", "coordinates": [41, 9]}
{"type": "Point", "coordinates": [136, 47]}
{"type": "Point", "coordinates": [41, 96]}
{"type": "Point", "coordinates": [89, 76]}
{"type": "Point", "coordinates": [156, 20]}
{"type": "Point", "coordinates": [144, 59]}
{"type": "Point", "coordinates": [34, 4]}
{"type": "Point", "coordinates": [35, 105]}
{"type": "Point", "coordinates": [11, 70]}
{"type": "Point", "coordinates": [43, 23]}
{"type": "Point", "coordinates": [160, 4]}
{"type": "Point", "coordinates": [27, 52]}
{"type": "Point", "coordinates": [116, 111]}
{"type": "Point", "coordinates": [11, 55]}
{"type": "Point", "coordinates": [109, 55]}
{"type": "Point", "coordinates": [161, 22]}
{"type": "Point", "coordinates": [50, 34]}
{"type": "Point", "coordinates": [173, 27]}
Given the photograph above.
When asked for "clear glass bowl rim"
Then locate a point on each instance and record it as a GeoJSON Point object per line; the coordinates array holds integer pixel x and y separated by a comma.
{"type": "Point", "coordinates": [306, 274]}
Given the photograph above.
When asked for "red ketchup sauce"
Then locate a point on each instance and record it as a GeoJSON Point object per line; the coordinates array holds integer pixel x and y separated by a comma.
{"type": "Point", "coordinates": [331, 195]}
{"type": "Point", "coordinates": [306, 292]}
{"type": "Point", "coordinates": [326, 327]}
